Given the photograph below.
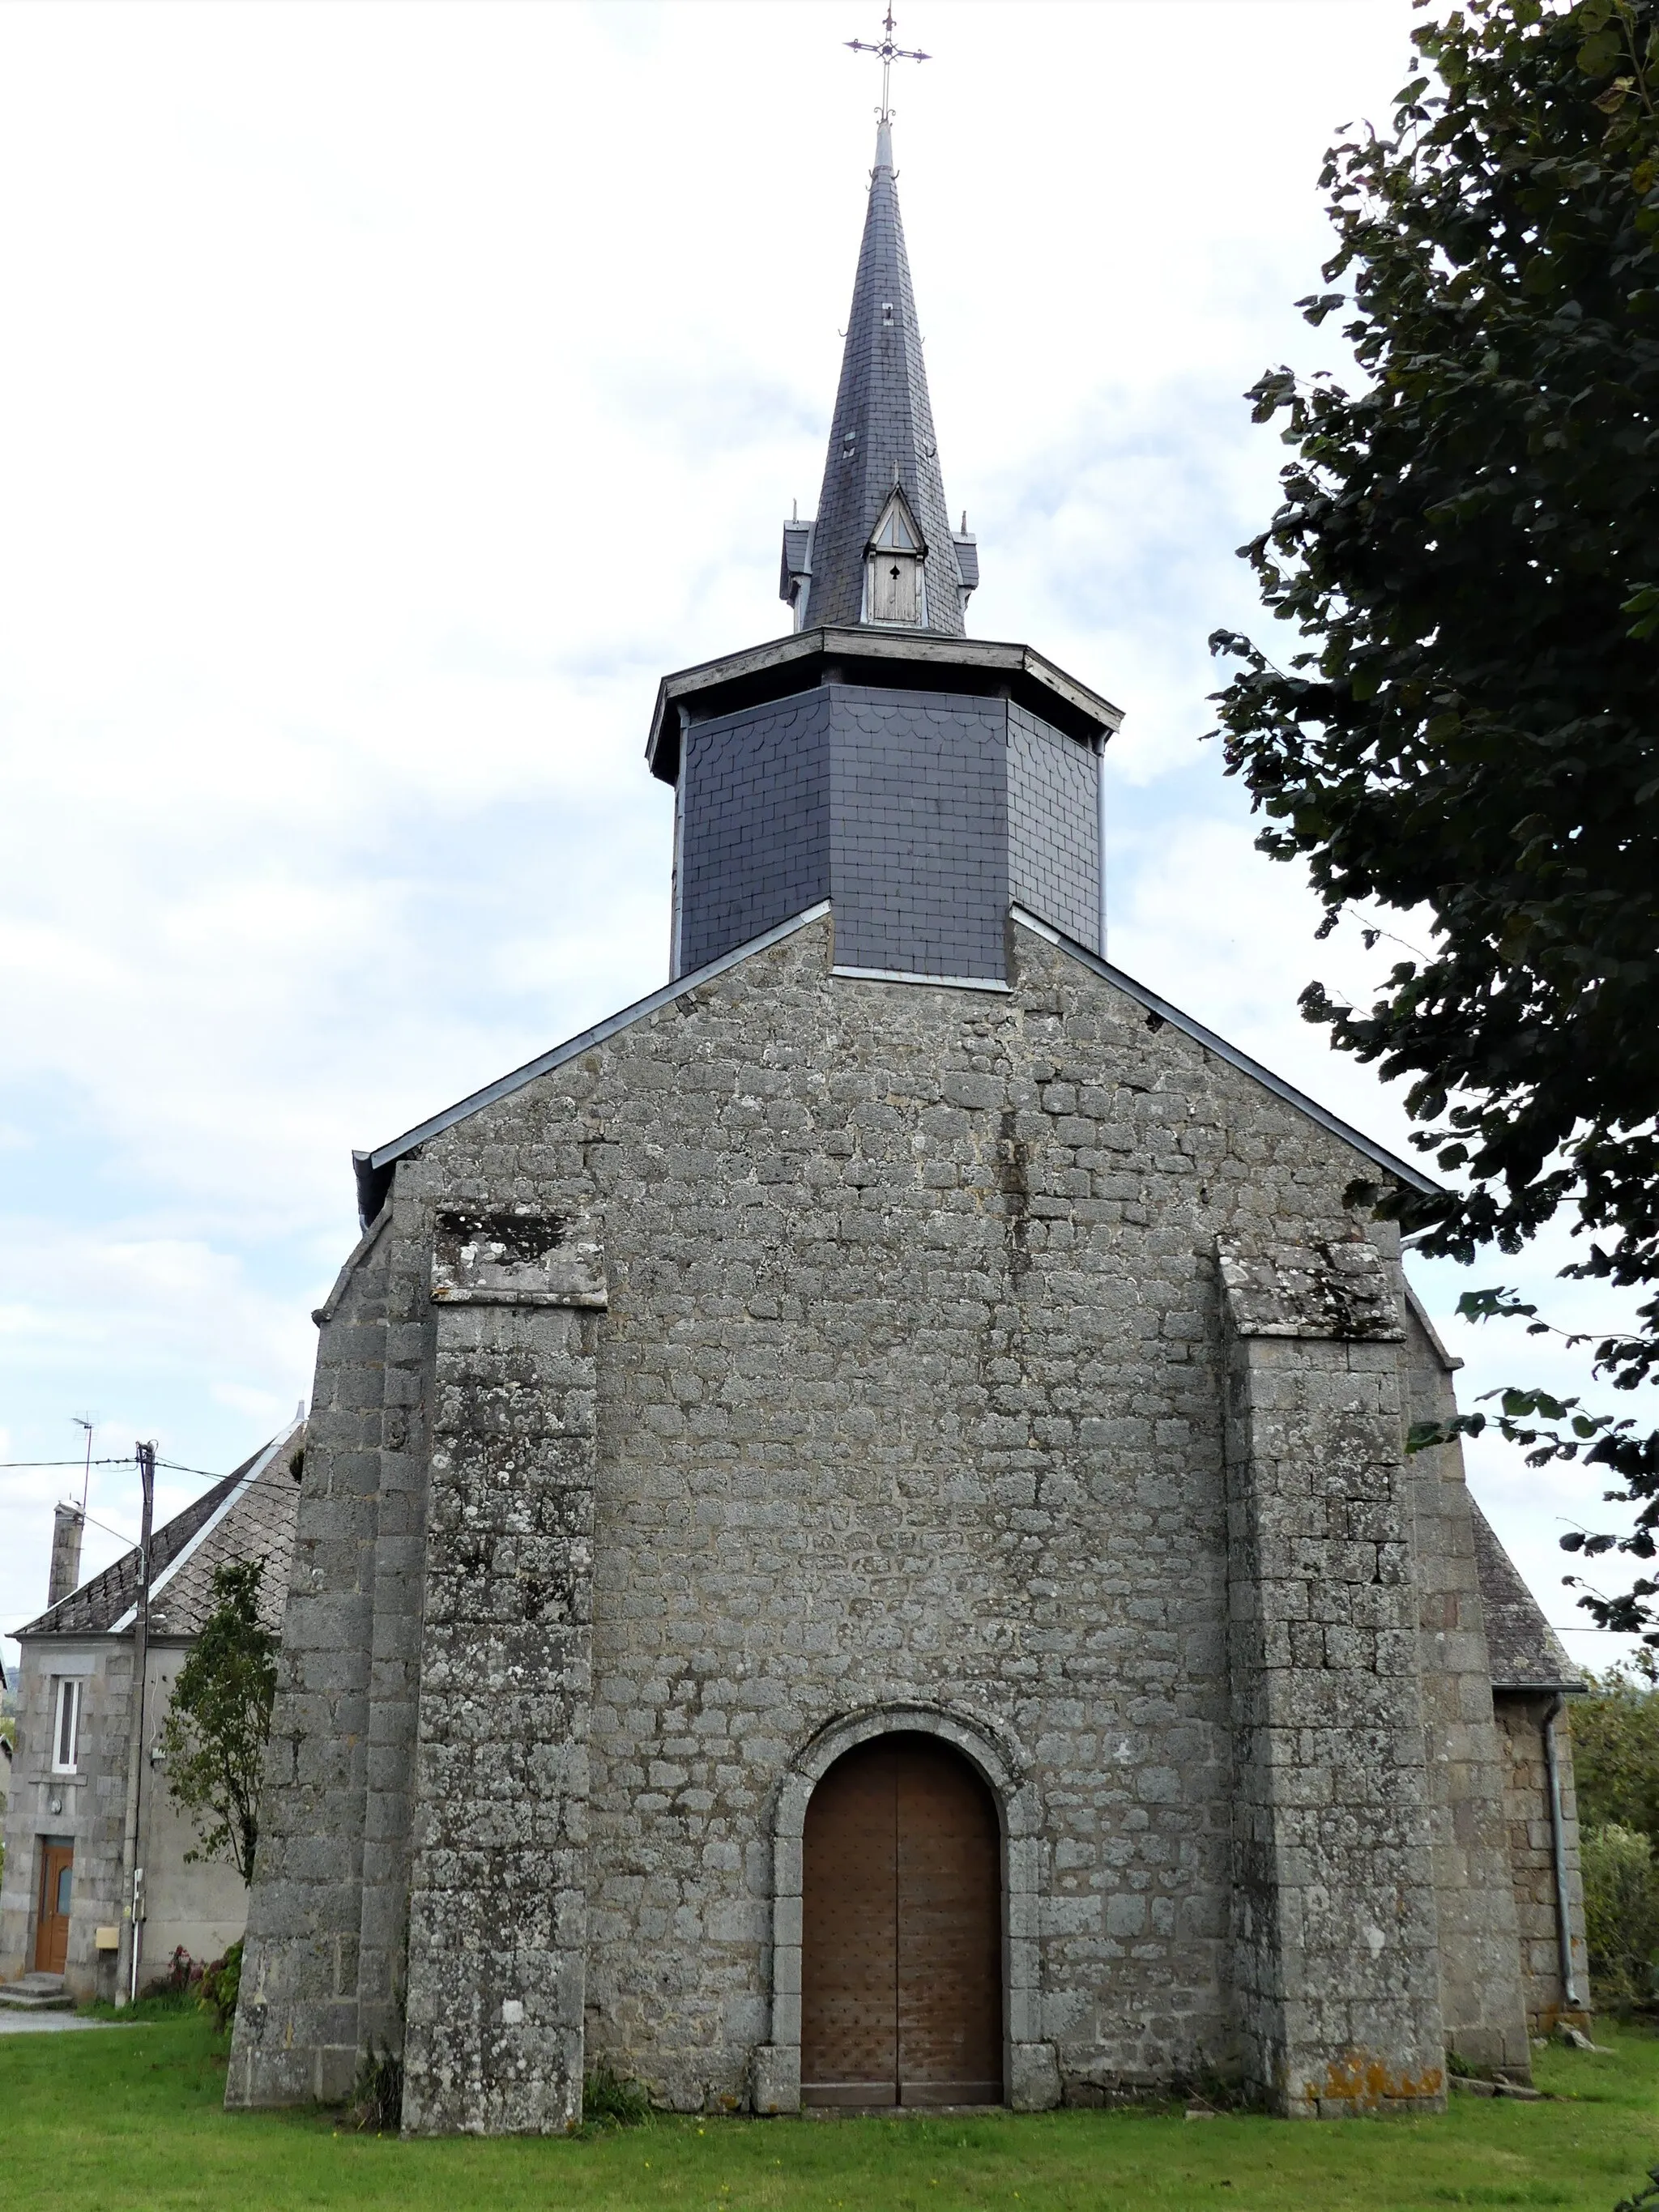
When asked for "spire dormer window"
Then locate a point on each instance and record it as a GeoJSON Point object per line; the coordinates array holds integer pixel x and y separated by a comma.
{"type": "Point", "coordinates": [896, 588]}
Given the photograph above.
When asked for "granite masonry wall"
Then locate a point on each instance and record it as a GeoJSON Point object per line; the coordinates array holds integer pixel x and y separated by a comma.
{"type": "Point", "coordinates": [1532, 1857]}
{"type": "Point", "coordinates": [910, 1398]}
{"type": "Point", "coordinates": [1479, 1957]}
{"type": "Point", "coordinates": [1334, 1928]}
{"type": "Point", "coordinates": [92, 1803]}
{"type": "Point", "coordinates": [497, 1913]}
{"type": "Point", "coordinates": [324, 1972]}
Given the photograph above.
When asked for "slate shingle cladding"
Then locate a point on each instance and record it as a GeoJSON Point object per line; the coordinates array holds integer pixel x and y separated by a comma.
{"type": "Point", "coordinates": [921, 814]}
{"type": "Point", "coordinates": [1054, 826]}
{"type": "Point", "coordinates": [754, 823]}
{"type": "Point", "coordinates": [1525, 1651]}
{"type": "Point", "coordinates": [883, 429]}
{"type": "Point", "coordinates": [256, 1524]}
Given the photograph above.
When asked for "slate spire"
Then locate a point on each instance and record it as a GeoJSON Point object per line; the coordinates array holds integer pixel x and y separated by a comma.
{"type": "Point", "coordinates": [881, 440]}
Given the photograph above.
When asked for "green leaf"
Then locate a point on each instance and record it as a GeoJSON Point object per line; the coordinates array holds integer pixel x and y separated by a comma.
{"type": "Point", "coordinates": [1599, 52]}
{"type": "Point", "coordinates": [1465, 729]}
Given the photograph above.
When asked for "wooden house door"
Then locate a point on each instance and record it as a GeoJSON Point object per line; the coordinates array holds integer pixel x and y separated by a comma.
{"type": "Point", "coordinates": [51, 1929]}
{"type": "Point", "coordinates": [901, 1934]}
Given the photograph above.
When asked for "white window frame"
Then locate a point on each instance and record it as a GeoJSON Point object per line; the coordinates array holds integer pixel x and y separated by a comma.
{"type": "Point", "coordinates": [67, 1702]}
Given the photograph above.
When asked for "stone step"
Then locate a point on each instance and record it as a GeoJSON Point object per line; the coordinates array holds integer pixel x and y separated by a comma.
{"type": "Point", "coordinates": [36, 1993]}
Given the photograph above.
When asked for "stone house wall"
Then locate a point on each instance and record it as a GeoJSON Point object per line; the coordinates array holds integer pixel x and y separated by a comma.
{"type": "Point", "coordinates": [92, 1804]}
{"type": "Point", "coordinates": [202, 1907]}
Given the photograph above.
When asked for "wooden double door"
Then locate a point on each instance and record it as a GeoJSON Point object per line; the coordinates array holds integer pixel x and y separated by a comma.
{"type": "Point", "coordinates": [902, 1930]}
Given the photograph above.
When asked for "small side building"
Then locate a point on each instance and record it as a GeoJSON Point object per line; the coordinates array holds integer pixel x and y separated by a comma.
{"type": "Point", "coordinates": [68, 1883]}
{"type": "Point", "coordinates": [1532, 1681]}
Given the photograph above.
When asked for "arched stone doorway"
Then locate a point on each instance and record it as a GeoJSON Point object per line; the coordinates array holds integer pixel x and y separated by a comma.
{"type": "Point", "coordinates": [902, 1935]}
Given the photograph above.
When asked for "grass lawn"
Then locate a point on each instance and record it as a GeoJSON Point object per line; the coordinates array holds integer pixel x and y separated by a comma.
{"type": "Point", "coordinates": [129, 2118]}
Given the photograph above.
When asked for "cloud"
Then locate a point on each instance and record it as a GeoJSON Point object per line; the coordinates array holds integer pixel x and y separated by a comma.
{"type": "Point", "coordinates": [391, 400]}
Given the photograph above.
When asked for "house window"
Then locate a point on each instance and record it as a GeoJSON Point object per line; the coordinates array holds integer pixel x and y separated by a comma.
{"type": "Point", "coordinates": [66, 1729]}
{"type": "Point", "coordinates": [895, 591]}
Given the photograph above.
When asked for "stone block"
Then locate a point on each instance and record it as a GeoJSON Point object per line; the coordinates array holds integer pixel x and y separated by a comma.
{"type": "Point", "coordinates": [774, 2079]}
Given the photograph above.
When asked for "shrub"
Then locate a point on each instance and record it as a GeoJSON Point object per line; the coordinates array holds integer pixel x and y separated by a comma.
{"type": "Point", "coordinates": [1621, 1913]}
{"type": "Point", "coordinates": [174, 1990]}
{"type": "Point", "coordinates": [221, 1985]}
{"type": "Point", "coordinates": [612, 2101]}
{"type": "Point", "coordinates": [377, 2096]}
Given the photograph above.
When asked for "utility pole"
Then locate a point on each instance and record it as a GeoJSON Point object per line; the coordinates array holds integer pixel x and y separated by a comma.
{"type": "Point", "coordinates": [132, 1872]}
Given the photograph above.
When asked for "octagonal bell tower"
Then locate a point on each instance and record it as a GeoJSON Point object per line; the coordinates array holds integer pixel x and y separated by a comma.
{"type": "Point", "coordinates": [922, 782]}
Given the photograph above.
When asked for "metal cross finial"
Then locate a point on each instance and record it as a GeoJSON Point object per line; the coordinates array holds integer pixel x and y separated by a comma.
{"type": "Point", "coordinates": [890, 53]}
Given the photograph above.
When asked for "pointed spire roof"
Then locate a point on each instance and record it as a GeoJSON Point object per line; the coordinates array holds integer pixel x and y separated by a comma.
{"type": "Point", "coordinates": [882, 430]}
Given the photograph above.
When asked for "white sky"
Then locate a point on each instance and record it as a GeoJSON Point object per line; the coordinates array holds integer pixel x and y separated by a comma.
{"type": "Point", "coordinates": [392, 393]}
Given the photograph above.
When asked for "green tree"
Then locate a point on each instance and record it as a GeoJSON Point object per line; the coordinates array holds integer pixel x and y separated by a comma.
{"type": "Point", "coordinates": [1468, 545]}
{"type": "Point", "coordinates": [1615, 1753]}
{"type": "Point", "coordinates": [1621, 1912]}
{"type": "Point", "coordinates": [213, 1740]}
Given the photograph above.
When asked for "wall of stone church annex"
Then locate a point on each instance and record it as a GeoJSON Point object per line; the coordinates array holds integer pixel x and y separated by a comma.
{"type": "Point", "coordinates": [1480, 1992]}
{"type": "Point", "coordinates": [909, 1394]}
{"type": "Point", "coordinates": [1521, 1716]}
{"type": "Point", "coordinates": [323, 1972]}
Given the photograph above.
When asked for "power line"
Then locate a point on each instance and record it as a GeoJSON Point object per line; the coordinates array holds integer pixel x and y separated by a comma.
{"type": "Point", "coordinates": [177, 1467]}
{"type": "Point", "coordinates": [126, 1460]}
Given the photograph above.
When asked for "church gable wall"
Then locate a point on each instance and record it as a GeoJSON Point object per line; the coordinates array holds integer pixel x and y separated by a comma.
{"type": "Point", "coordinates": [909, 1390]}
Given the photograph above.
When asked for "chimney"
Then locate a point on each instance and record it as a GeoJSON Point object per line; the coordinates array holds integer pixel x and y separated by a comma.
{"type": "Point", "coordinates": [66, 1525]}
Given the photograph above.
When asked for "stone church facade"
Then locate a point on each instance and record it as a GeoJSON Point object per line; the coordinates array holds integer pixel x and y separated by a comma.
{"type": "Point", "coordinates": [855, 1543]}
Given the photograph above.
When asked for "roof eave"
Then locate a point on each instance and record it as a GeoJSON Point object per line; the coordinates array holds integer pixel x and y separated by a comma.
{"type": "Point", "coordinates": [786, 665]}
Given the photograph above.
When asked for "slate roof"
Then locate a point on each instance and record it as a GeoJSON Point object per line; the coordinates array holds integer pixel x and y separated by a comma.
{"type": "Point", "coordinates": [1524, 1650]}
{"type": "Point", "coordinates": [248, 1514]}
{"type": "Point", "coordinates": [883, 428]}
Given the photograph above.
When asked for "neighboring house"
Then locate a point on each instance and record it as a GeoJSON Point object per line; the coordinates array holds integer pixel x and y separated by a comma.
{"type": "Point", "coordinates": [6, 1714]}
{"type": "Point", "coordinates": [856, 1543]}
{"type": "Point", "coordinates": [68, 1883]}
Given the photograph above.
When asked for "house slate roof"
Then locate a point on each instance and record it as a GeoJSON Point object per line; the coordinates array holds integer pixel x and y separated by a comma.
{"type": "Point", "coordinates": [1524, 1649]}
{"type": "Point", "coordinates": [882, 431]}
{"type": "Point", "coordinates": [248, 1514]}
